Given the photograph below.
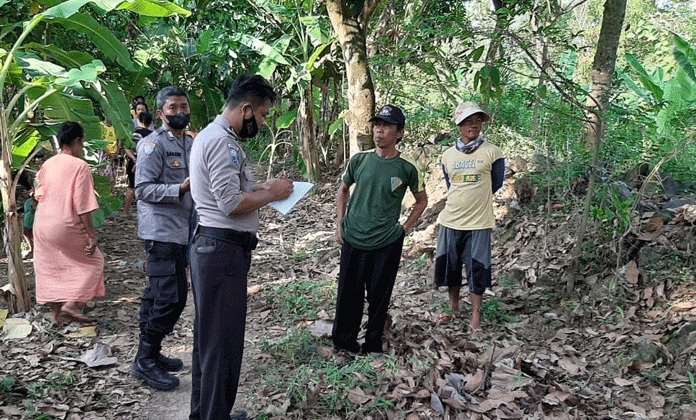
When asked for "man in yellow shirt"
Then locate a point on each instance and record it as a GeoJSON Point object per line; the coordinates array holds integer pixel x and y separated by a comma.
{"type": "Point", "coordinates": [474, 170]}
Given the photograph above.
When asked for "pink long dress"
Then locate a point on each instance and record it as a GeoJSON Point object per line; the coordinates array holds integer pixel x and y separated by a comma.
{"type": "Point", "coordinates": [64, 271]}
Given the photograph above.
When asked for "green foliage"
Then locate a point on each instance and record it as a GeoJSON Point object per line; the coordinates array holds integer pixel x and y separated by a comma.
{"type": "Point", "coordinates": [491, 311]}
{"type": "Point", "coordinates": [300, 299]}
{"type": "Point", "coordinates": [22, 394]}
{"type": "Point", "coordinates": [611, 210]}
{"type": "Point", "coordinates": [8, 387]}
{"type": "Point", "coordinates": [307, 371]}
{"type": "Point", "coordinates": [657, 110]}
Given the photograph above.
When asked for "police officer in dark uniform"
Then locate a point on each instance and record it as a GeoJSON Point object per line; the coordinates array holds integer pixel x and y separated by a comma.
{"type": "Point", "coordinates": [162, 188]}
{"type": "Point", "coordinates": [227, 203]}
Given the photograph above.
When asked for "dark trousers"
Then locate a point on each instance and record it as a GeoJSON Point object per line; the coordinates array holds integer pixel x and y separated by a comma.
{"type": "Point", "coordinates": [363, 271]}
{"type": "Point", "coordinates": [219, 279]}
{"type": "Point", "coordinates": [165, 297]}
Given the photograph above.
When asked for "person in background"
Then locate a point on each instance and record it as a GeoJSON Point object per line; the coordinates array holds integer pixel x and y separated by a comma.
{"type": "Point", "coordinates": [28, 230]}
{"type": "Point", "coordinates": [370, 233]}
{"type": "Point", "coordinates": [144, 121]}
{"type": "Point", "coordinates": [68, 264]}
{"type": "Point", "coordinates": [228, 205]}
{"type": "Point", "coordinates": [110, 154]}
{"type": "Point", "coordinates": [474, 170]}
{"type": "Point", "coordinates": [141, 107]}
{"type": "Point", "coordinates": [137, 100]}
{"type": "Point", "coordinates": [162, 189]}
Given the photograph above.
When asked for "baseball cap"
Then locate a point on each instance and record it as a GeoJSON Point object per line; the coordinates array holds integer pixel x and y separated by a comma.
{"type": "Point", "coordinates": [467, 109]}
{"type": "Point", "coordinates": [391, 114]}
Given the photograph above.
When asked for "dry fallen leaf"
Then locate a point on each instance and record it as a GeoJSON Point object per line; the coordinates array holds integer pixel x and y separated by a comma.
{"type": "Point", "coordinates": [357, 396]}
{"type": "Point", "coordinates": [436, 404]}
{"type": "Point", "coordinates": [321, 328]}
{"type": "Point", "coordinates": [16, 328]}
{"type": "Point", "coordinates": [632, 272]}
{"type": "Point", "coordinates": [623, 382]}
{"type": "Point", "coordinates": [99, 355]}
{"type": "Point", "coordinates": [89, 331]}
{"type": "Point", "coordinates": [473, 381]}
{"type": "Point", "coordinates": [3, 317]}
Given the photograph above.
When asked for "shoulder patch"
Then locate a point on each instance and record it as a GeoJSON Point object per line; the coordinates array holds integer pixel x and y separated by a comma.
{"type": "Point", "coordinates": [148, 147]}
{"type": "Point", "coordinates": [234, 152]}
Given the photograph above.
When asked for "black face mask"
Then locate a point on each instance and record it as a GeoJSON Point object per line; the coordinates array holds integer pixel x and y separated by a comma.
{"type": "Point", "coordinates": [249, 127]}
{"type": "Point", "coordinates": [178, 121]}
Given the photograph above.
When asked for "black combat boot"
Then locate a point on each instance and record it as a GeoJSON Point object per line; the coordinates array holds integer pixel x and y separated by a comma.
{"type": "Point", "coordinates": [146, 367]}
{"type": "Point", "coordinates": [170, 365]}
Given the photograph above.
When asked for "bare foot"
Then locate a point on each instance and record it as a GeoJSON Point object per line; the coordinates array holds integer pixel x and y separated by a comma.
{"type": "Point", "coordinates": [55, 310]}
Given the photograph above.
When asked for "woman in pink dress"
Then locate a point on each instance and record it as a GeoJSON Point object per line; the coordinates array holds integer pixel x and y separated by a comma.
{"type": "Point", "coordinates": [69, 267]}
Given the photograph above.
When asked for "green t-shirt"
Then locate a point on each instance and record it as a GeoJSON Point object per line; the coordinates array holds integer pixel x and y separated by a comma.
{"type": "Point", "coordinates": [372, 218]}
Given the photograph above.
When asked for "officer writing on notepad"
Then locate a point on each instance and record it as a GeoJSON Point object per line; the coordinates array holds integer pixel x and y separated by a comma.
{"type": "Point", "coordinates": [227, 202]}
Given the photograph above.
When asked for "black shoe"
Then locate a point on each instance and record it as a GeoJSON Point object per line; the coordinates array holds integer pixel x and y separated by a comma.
{"type": "Point", "coordinates": [146, 368]}
{"type": "Point", "coordinates": [238, 415]}
{"type": "Point", "coordinates": [353, 347]}
{"type": "Point", "coordinates": [371, 348]}
{"type": "Point", "coordinates": [170, 365]}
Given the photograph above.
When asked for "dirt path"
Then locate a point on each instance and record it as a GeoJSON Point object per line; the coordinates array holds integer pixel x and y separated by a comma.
{"type": "Point", "coordinates": [174, 404]}
{"type": "Point", "coordinates": [599, 354]}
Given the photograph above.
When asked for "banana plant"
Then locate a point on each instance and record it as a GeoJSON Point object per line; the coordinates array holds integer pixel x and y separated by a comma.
{"type": "Point", "coordinates": [42, 86]}
{"type": "Point", "coordinates": [668, 96]}
{"type": "Point", "coordinates": [300, 52]}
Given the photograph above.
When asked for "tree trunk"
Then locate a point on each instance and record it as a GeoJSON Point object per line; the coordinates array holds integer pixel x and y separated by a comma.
{"type": "Point", "coordinates": [602, 71]}
{"type": "Point", "coordinates": [540, 87]}
{"type": "Point", "coordinates": [18, 296]}
{"type": "Point", "coordinates": [308, 137]}
{"type": "Point", "coordinates": [351, 28]}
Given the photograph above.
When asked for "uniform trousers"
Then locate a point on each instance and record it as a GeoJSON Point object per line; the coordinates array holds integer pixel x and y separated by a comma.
{"type": "Point", "coordinates": [165, 297]}
{"type": "Point", "coordinates": [219, 279]}
{"type": "Point", "coordinates": [372, 272]}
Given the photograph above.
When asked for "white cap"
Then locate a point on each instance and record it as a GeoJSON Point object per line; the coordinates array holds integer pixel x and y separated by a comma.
{"type": "Point", "coordinates": [467, 109]}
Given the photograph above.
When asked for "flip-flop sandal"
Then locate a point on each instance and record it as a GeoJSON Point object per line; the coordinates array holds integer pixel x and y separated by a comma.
{"type": "Point", "coordinates": [446, 318]}
{"type": "Point", "coordinates": [61, 320]}
{"type": "Point", "coordinates": [72, 315]}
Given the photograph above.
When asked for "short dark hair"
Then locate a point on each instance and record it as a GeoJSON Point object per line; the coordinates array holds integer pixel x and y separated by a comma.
{"type": "Point", "coordinates": [139, 99]}
{"type": "Point", "coordinates": [250, 88]}
{"type": "Point", "coordinates": [69, 132]}
{"type": "Point", "coordinates": [165, 93]}
{"type": "Point", "coordinates": [145, 118]}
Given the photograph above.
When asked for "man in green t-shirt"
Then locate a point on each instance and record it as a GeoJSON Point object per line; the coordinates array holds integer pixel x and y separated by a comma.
{"type": "Point", "coordinates": [370, 232]}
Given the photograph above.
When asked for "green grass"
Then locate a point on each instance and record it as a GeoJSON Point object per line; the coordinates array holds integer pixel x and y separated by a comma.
{"type": "Point", "coordinates": [490, 310]}
{"type": "Point", "coordinates": [320, 385]}
{"type": "Point", "coordinates": [301, 299]}
{"type": "Point", "coordinates": [26, 395]}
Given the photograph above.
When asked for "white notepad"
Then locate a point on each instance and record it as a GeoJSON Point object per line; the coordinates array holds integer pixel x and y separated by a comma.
{"type": "Point", "coordinates": [300, 189]}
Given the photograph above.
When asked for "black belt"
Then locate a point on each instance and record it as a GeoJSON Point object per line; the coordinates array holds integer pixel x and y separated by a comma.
{"type": "Point", "coordinates": [246, 240]}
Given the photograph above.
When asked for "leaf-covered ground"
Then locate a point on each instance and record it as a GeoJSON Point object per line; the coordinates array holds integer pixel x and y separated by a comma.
{"type": "Point", "coordinates": [620, 347]}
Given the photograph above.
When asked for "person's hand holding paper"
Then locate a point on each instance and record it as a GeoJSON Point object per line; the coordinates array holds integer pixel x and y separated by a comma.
{"type": "Point", "coordinates": [300, 190]}
{"type": "Point", "coordinates": [280, 189]}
